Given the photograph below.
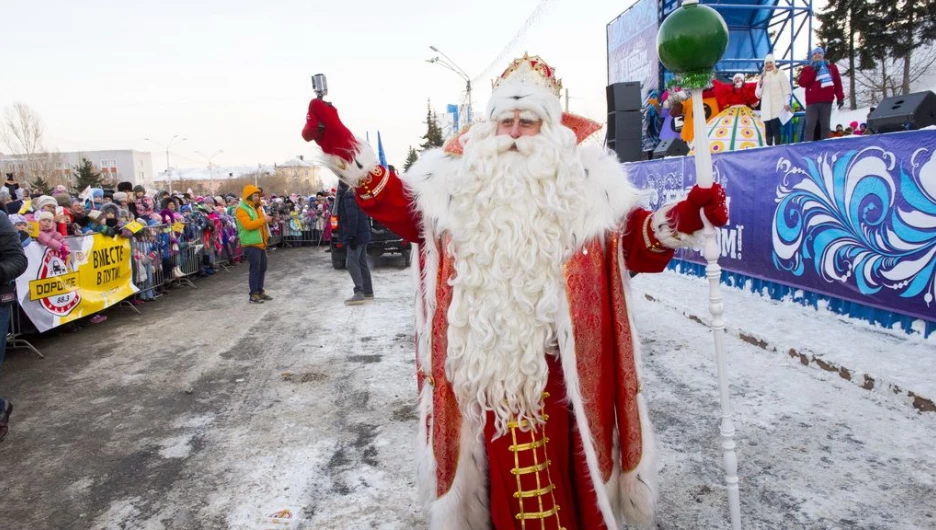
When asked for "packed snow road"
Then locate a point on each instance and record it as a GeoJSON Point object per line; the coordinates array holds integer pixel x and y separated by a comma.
{"type": "Point", "coordinates": [206, 412]}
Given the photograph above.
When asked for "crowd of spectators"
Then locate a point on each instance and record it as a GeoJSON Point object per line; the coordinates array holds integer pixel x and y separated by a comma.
{"type": "Point", "coordinates": [161, 226]}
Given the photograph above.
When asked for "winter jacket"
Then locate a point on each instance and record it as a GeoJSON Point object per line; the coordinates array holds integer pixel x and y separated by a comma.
{"type": "Point", "coordinates": [145, 206]}
{"type": "Point", "coordinates": [251, 223]}
{"type": "Point", "coordinates": [352, 222]}
{"type": "Point", "coordinates": [815, 93]}
{"type": "Point", "coordinates": [12, 258]}
{"type": "Point", "coordinates": [774, 93]}
{"type": "Point", "coordinates": [51, 239]}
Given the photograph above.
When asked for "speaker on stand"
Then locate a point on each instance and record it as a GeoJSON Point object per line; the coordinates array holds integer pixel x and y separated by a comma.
{"type": "Point", "coordinates": [625, 121]}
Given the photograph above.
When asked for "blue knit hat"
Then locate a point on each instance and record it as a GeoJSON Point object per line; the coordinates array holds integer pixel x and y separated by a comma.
{"type": "Point", "coordinates": [818, 49]}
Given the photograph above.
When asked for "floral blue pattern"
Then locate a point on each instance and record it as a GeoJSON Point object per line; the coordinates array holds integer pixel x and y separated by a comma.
{"type": "Point", "coordinates": [873, 229]}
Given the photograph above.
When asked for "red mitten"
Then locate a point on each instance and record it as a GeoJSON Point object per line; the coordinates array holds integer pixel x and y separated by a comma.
{"type": "Point", "coordinates": [324, 127]}
{"type": "Point", "coordinates": [685, 215]}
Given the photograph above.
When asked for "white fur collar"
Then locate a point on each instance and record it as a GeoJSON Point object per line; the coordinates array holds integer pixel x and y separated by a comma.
{"type": "Point", "coordinates": [609, 194]}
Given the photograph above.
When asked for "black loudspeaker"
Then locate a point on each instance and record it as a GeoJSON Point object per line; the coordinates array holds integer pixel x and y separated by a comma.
{"type": "Point", "coordinates": [625, 135]}
{"type": "Point", "coordinates": [904, 113]}
{"type": "Point", "coordinates": [624, 96]}
{"type": "Point", "coordinates": [671, 147]}
{"type": "Point", "coordinates": [627, 150]}
{"type": "Point", "coordinates": [624, 124]}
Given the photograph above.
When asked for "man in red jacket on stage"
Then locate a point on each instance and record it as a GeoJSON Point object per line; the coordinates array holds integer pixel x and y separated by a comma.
{"type": "Point", "coordinates": [823, 85]}
{"type": "Point", "coordinates": [530, 403]}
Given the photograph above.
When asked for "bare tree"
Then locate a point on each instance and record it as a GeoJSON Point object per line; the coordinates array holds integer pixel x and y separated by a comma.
{"type": "Point", "coordinates": [889, 76]}
{"type": "Point", "coordinates": [21, 131]}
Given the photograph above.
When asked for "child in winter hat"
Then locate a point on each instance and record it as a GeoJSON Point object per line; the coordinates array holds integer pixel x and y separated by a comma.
{"type": "Point", "coordinates": [22, 227]}
{"type": "Point", "coordinates": [49, 236]}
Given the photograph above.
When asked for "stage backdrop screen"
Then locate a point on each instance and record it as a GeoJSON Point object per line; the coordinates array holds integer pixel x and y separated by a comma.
{"type": "Point", "coordinates": [632, 54]}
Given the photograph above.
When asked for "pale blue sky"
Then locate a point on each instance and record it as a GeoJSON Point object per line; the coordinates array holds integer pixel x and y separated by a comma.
{"type": "Point", "coordinates": [234, 75]}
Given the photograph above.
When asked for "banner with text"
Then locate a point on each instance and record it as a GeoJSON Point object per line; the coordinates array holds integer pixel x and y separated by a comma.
{"type": "Point", "coordinates": [632, 52]}
{"type": "Point", "coordinates": [97, 275]}
{"type": "Point", "coordinates": [851, 218]}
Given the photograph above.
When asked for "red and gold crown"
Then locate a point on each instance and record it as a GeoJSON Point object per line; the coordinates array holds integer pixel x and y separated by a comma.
{"type": "Point", "coordinates": [532, 70]}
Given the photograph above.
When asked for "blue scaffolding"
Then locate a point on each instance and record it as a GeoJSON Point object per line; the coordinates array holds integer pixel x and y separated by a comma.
{"type": "Point", "coordinates": [756, 28]}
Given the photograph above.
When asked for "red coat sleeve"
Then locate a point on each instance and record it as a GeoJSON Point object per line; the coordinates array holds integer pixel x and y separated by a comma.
{"type": "Point", "coordinates": [807, 77]}
{"type": "Point", "coordinates": [750, 94]}
{"type": "Point", "coordinates": [638, 255]}
{"type": "Point", "coordinates": [837, 81]}
{"type": "Point", "coordinates": [722, 93]}
{"type": "Point", "coordinates": [383, 196]}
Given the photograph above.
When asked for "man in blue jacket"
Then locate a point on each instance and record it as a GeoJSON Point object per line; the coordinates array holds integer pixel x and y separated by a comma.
{"type": "Point", "coordinates": [354, 230]}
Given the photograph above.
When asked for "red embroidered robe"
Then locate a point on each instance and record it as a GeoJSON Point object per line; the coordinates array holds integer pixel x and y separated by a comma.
{"type": "Point", "coordinates": [612, 457]}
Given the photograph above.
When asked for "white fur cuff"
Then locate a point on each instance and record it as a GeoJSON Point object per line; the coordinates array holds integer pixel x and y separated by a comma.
{"type": "Point", "coordinates": [363, 161]}
{"type": "Point", "coordinates": [668, 236]}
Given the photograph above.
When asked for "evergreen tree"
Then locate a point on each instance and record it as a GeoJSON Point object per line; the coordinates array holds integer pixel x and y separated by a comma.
{"type": "Point", "coordinates": [41, 186]}
{"type": "Point", "coordinates": [844, 24]}
{"type": "Point", "coordinates": [411, 158]}
{"type": "Point", "coordinates": [433, 137]}
{"type": "Point", "coordinates": [85, 175]}
{"type": "Point", "coordinates": [903, 27]}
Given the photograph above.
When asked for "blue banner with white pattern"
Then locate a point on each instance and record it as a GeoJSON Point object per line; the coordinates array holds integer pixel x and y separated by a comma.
{"type": "Point", "coordinates": [851, 218]}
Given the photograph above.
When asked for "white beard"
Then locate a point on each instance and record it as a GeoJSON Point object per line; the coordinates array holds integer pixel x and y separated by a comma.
{"type": "Point", "coordinates": [512, 210]}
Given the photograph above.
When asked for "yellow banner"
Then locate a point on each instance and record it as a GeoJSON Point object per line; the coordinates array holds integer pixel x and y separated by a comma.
{"type": "Point", "coordinates": [49, 287]}
{"type": "Point", "coordinates": [96, 274]}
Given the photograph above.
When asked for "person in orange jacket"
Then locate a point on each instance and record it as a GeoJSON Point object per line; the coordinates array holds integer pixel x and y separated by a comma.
{"type": "Point", "coordinates": [252, 231]}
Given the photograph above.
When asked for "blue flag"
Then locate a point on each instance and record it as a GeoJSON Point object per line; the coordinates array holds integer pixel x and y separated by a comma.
{"type": "Point", "coordinates": [380, 151]}
{"type": "Point", "coordinates": [453, 110]}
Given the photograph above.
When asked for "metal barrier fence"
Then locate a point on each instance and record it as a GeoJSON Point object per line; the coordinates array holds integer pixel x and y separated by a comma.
{"type": "Point", "coordinates": [162, 258]}
{"type": "Point", "coordinates": [296, 233]}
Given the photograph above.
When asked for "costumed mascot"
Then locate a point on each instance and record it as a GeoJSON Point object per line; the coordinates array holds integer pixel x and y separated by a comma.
{"type": "Point", "coordinates": [530, 402]}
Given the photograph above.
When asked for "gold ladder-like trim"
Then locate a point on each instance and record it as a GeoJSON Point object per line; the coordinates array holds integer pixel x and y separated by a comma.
{"type": "Point", "coordinates": [534, 493]}
{"type": "Point", "coordinates": [529, 445]}
{"type": "Point", "coordinates": [538, 515]}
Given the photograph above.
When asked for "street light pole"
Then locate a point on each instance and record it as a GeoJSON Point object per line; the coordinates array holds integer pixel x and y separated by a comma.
{"type": "Point", "coordinates": [168, 172]}
{"type": "Point", "coordinates": [450, 64]}
{"type": "Point", "coordinates": [210, 171]}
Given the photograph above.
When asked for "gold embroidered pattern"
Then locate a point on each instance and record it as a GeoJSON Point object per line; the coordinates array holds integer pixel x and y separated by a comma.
{"type": "Point", "coordinates": [587, 290]}
{"type": "Point", "coordinates": [378, 171]}
{"type": "Point", "coordinates": [628, 413]}
{"type": "Point", "coordinates": [446, 418]}
{"type": "Point", "coordinates": [544, 485]}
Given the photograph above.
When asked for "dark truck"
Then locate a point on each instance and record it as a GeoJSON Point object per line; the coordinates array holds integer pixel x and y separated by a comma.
{"type": "Point", "coordinates": [383, 241]}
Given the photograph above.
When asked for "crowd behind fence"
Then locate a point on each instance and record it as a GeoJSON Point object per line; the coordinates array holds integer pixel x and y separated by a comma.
{"type": "Point", "coordinates": [166, 256]}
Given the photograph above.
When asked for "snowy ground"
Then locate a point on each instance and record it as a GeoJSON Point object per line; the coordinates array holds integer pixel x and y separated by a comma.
{"type": "Point", "coordinates": [209, 413]}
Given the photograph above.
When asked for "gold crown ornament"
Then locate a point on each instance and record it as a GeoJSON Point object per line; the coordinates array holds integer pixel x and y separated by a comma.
{"type": "Point", "coordinates": [530, 70]}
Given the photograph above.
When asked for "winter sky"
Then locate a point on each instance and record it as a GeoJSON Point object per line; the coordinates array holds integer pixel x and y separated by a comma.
{"type": "Point", "coordinates": [235, 75]}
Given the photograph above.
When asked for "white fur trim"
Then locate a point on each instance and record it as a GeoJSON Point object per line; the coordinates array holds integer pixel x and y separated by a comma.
{"type": "Point", "coordinates": [667, 235]}
{"type": "Point", "coordinates": [427, 180]}
{"type": "Point", "coordinates": [609, 195]}
{"type": "Point", "coordinates": [639, 488]}
{"type": "Point", "coordinates": [465, 506]}
{"type": "Point", "coordinates": [566, 338]}
{"type": "Point", "coordinates": [363, 161]}
{"type": "Point", "coordinates": [520, 93]}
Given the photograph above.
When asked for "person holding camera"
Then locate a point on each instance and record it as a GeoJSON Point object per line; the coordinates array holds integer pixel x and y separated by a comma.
{"type": "Point", "coordinates": [354, 232]}
{"type": "Point", "coordinates": [823, 85]}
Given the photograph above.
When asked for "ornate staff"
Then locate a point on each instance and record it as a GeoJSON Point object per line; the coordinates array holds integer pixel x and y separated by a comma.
{"type": "Point", "coordinates": [689, 42]}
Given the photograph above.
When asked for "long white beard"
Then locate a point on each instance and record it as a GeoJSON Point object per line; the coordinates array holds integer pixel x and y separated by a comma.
{"type": "Point", "coordinates": [511, 210]}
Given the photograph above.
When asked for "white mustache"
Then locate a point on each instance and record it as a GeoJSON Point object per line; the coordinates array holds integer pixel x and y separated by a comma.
{"type": "Point", "coordinates": [524, 145]}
